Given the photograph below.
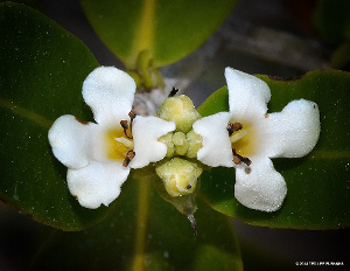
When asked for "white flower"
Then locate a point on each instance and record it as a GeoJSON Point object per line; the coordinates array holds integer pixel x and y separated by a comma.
{"type": "Point", "coordinates": [99, 155]}
{"type": "Point", "coordinates": [257, 137]}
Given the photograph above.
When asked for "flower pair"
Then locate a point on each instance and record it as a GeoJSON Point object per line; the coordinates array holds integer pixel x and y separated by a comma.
{"type": "Point", "coordinates": [99, 155]}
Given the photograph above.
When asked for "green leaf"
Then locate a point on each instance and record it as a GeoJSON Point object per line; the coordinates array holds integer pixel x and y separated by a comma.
{"type": "Point", "coordinates": [42, 68]}
{"type": "Point", "coordinates": [145, 232]}
{"type": "Point", "coordinates": [156, 32]}
{"type": "Point", "coordinates": [30, 3]}
{"type": "Point", "coordinates": [318, 184]}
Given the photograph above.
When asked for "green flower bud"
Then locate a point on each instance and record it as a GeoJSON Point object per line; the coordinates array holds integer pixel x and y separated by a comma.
{"type": "Point", "coordinates": [179, 176]}
{"type": "Point", "coordinates": [168, 141]}
{"type": "Point", "coordinates": [195, 142]}
{"type": "Point", "coordinates": [181, 110]}
{"type": "Point", "coordinates": [180, 142]}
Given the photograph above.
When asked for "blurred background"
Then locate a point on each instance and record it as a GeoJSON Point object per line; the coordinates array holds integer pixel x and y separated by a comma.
{"type": "Point", "coordinates": [272, 37]}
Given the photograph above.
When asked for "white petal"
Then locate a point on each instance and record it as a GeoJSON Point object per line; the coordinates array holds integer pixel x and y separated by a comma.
{"type": "Point", "coordinates": [293, 132]}
{"type": "Point", "coordinates": [96, 184]}
{"type": "Point", "coordinates": [110, 94]}
{"type": "Point", "coordinates": [216, 150]}
{"type": "Point", "coordinates": [263, 188]}
{"type": "Point", "coordinates": [146, 132]}
{"type": "Point", "coordinates": [70, 141]}
{"type": "Point", "coordinates": [248, 95]}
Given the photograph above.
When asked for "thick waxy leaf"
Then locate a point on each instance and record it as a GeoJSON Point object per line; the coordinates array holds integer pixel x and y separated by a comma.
{"type": "Point", "coordinates": [42, 68]}
{"type": "Point", "coordinates": [155, 32]}
{"type": "Point", "coordinates": [30, 3]}
{"type": "Point", "coordinates": [318, 184]}
{"type": "Point", "coordinates": [145, 232]}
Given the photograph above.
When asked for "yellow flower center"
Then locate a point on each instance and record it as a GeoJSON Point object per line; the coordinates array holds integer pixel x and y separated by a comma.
{"type": "Point", "coordinates": [119, 141]}
{"type": "Point", "coordinates": [117, 144]}
{"type": "Point", "coordinates": [244, 140]}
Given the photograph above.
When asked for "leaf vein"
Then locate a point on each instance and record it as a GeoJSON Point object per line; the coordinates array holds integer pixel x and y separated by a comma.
{"type": "Point", "coordinates": [38, 119]}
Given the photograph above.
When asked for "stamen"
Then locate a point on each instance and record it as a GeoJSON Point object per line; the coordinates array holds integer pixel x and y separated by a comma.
{"type": "Point", "coordinates": [125, 126]}
{"type": "Point", "coordinates": [233, 127]}
{"type": "Point", "coordinates": [129, 156]}
{"type": "Point", "coordinates": [132, 115]}
{"type": "Point", "coordinates": [239, 159]}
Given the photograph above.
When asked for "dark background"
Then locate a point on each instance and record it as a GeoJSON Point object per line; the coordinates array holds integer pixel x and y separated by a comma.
{"type": "Point", "coordinates": [269, 37]}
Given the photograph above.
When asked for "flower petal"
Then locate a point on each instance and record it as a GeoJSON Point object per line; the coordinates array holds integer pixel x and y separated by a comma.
{"type": "Point", "coordinates": [70, 141]}
{"type": "Point", "coordinates": [98, 183]}
{"type": "Point", "coordinates": [263, 188]}
{"type": "Point", "coordinates": [147, 148]}
{"type": "Point", "coordinates": [248, 95]}
{"type": "Point", "coordinates": [216, 150]}
{"type": "Point", "coordinates": [110, 94]}
{"type": "Point", "coordinates": [293, 132]}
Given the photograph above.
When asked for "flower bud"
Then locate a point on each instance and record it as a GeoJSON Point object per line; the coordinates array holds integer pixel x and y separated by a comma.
{"type": "Point", "coordinates": [179, 176]}
{"type": "Point", "coordinates": [168, 141]}
{"type": "Point", "coordinates": [181, 110]}
{"type": "Point", "coordinates": [195, 142]}
{"type": "Point", "coordinates": [180, 142]}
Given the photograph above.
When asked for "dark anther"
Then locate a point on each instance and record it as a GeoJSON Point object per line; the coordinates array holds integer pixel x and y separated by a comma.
{"type": "Point", "coordinates": [126, 162]}
{"type": "Point", "coordinates": [124, 124]}
{"type": "Point", "coordinates": [229, 128]}
{"type": "Point", "coordinates": [129, 156]}
{"type": "Point", "coordinates": [173, 92]}
{"type": "Point", "coordinates": [132, 114]}
{"type": "Point", "coordinates": [233, 127]}
{"type": "Point", "coordinates": [189, 186]}
{"type": "Point", "coordinates": [239, 159]}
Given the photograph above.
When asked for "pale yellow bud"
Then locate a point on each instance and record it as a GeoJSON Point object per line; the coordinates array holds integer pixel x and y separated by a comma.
{"type": "Point", "coordinates": [195, 142]}
{"type": "Point", "coordinates": [181, 110]}
{"type": "Point", "coordinates": [168, 141]}
{"type": "Point", "coordinates": [180, 142]}
{"type": "Point", "coordinates": [179, 176]}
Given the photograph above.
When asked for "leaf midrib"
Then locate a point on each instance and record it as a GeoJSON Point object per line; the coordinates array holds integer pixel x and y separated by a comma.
{"type": "Point", "coordinates": [145, 34]}
{"type": "Point", "coordinates": [144, 191]}
{"type": "Point", "coordinates": [17, 110]}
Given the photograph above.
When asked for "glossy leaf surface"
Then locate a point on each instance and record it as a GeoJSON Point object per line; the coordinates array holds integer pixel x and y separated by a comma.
{"type": "Point", "coordinates": [145, 232]}
{"type": "Point", "coordinates": [318, 184]}
{"type": "Point", "coordinates": [165, 31]}
{"type": "Point", "coordinates": [30, 3]}
{"type": "Point", "coordinates": [42, 68]}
